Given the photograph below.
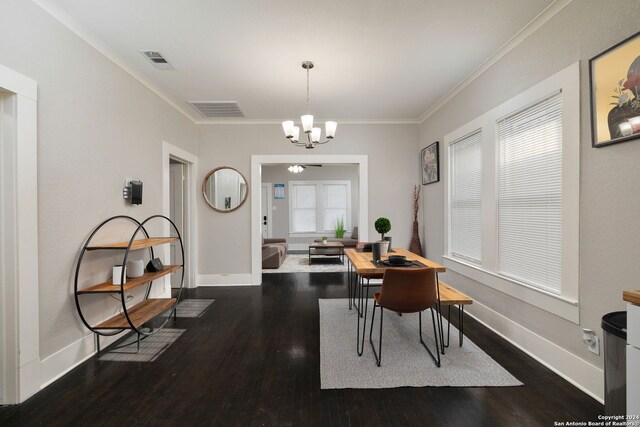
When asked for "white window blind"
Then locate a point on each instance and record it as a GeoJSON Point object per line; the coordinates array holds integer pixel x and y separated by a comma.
{"type": "Point", "coordinates": [530, 194]}
{"type": "Point", "coordinates": [335, 205]}
{"type": "Point", "coordinates": [303, 208]}
{"type": "Point", "coordinates": [465, 197]}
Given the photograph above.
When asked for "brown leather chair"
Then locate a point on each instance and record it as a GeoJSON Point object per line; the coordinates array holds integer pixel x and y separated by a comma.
{"type": "Point", "coordinates": [407, 290]}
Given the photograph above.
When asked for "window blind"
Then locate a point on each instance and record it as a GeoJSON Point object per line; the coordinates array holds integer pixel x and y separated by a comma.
{"type": "Point", "coordinates": [530, 194]}
{"type": "Point", "coordinates": [465, 198]}
{"type": "Point", "coordinates": [335, 205]}
{"type": "Point", "coordinates": [304, 208]}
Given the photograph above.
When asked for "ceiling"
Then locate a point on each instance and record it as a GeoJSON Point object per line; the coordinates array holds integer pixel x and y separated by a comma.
{"type": "Point", "coordinates": [376, 60]}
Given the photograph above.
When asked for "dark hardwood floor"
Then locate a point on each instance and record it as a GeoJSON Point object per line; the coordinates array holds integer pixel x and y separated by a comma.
{"type": "Point", "coordinates": [254, 359]}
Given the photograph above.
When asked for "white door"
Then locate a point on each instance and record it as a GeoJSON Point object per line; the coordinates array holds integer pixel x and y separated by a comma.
{"type": "Point", "coordinates": [176, 213]}
{"type": "Point", "coordinates": [266, 210]}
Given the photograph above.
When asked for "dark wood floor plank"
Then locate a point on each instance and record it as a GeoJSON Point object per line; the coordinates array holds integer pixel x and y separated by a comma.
{"type": "Point", "coordinates": [253, 358]}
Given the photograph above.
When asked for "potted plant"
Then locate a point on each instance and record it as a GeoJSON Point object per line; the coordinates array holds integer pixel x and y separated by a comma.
{"type": "Point", "coordinates": [340, 228]}
{"type": "Point", "coordinates": [383, 226]}
{"type": "Point", "coordinates": [324, 240]}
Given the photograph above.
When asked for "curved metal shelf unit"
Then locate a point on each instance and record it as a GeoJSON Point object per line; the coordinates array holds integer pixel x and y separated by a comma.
{"type": "Point", "coordinates": [131, 318]}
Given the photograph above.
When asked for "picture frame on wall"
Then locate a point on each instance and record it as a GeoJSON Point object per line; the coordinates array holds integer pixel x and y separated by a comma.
{"type": "Point", "coordinates": [278, 191]}
{"type": "Point", "coordinates": [614, 77]}
{"type": "Point", "coordinates": [430, 162]}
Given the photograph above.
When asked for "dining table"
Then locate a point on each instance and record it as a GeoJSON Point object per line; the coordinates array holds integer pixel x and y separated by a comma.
{"type": "Point", "coordinates": [364, 273]}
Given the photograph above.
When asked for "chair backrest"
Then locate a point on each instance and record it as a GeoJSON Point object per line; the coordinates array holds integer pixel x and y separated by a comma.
{"type": "Point", "coordinates": [408, 290]}
{"type": "Point", "coordinates": [354, 233]}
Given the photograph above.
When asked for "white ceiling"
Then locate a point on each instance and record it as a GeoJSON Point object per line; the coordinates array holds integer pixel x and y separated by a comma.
{"type": "Point", "coordinates": [377, 60]}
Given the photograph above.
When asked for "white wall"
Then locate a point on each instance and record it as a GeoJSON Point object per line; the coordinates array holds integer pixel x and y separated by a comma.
{"type": "Point", "coordinates": [609, 249]}
{"type": "Point", "coordinates": [96, 126]}
{"type": "Point", "coordinates": [280, 175]}
{"type": "Point", "coordinates": [394, 164]}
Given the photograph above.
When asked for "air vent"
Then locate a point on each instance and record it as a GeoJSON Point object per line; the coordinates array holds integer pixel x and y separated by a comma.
{"type": "Point", "coordinates": [213, 109]}
{"type": "Point", "coordinates": [157, 59]}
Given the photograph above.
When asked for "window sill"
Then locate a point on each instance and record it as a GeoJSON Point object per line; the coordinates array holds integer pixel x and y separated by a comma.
{"type": "Point", "coordinates": [310, 234]}
{"type": "Point", "coordinates": [556, 304]}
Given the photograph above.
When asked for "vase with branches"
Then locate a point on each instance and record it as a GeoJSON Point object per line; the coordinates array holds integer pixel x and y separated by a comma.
{"type": "Point", "coordinates": [415, 246]}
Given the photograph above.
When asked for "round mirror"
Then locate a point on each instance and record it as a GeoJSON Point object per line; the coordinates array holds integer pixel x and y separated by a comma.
{"type": "Point", "coordinates": [224, 189]}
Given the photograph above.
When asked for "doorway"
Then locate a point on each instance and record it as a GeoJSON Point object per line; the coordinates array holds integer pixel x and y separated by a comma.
{"type": "Point", "coordinates": [20, 367]}
{"type": "Point", "coordinates": [179, 194]}
{"type": "Point", "coordinates": [257, 161]}
{"type": "Point", "coordinates": [177, 206]}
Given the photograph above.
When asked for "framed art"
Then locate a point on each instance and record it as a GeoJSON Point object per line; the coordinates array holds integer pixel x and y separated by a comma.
{"type": "Point", "coordinates": [430, 164]}
{"type": "Point", "coordinates": [278, 191]}
{"type": "Point", "coordinates": [615, 93]}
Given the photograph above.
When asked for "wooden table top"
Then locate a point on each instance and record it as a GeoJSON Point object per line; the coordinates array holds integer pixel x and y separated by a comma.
{"type": "Point", "coordinates": [362, 261]}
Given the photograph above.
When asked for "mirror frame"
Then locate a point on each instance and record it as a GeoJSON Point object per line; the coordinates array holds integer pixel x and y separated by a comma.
{"type": "Point", "coordinates": [204, 188]}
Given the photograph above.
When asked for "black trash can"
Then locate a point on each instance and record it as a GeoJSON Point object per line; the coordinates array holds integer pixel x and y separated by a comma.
{"type": "Point", "coordinates": [614, 326]}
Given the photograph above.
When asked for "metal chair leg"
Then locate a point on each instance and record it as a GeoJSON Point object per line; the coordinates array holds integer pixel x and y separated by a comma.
{"type": "Point", "coordinates": [364, 325]}
{"type": "Point", "coordinates": [435, 337]}
{"type": "Point", "coordinates": [439, 308]}
{"type": "Point", "coordinates": [446, 345]}
{"type": "Point", "coordinates": [461, 322]}
{"type": "Point", "coordinates": [378, 355]}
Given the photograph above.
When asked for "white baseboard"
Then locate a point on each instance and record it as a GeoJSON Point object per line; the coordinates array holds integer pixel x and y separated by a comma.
{"type": "Point", "coordinates": [579, 372]}
{"type": "Point", "coordinates": [224, 280]}
{"type": "Point", "coordinates": [66, 359]}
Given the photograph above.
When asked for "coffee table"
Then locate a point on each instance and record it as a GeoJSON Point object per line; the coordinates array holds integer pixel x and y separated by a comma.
{"type": "Point", "coordinates": [318, 249]}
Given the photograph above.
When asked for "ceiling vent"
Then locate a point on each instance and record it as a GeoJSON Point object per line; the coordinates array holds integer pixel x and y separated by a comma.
{"type": "Point", "coordinates": [216, 109]}
{"type": "Point", "coordinates": [157, 59]}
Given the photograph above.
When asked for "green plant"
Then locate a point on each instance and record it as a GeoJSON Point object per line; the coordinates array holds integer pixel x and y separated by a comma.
{"type": "Point", "coordinates": [383, 226]}
{"type": "Point", "coordinates": [324, 238]}
{"type": "Point", "coordinates": [340, 228]}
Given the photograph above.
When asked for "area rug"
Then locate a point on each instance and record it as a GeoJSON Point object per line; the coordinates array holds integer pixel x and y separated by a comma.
{"type": "Point", "coordinates": [405, 363]}
{"type": "Point", "coordinates": [151, 347]}
{"type": "Point", "coordinates": [299, 263]}
{"type": "Point", "coordinates": [193, 307]}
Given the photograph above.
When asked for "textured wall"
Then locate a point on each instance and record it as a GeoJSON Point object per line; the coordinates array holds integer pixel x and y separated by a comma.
{"type": "Point", "coordinates": [393, 170]}
{"type": "Point", "coordinates": [96, 126]}
{"type": "Point", "coordinates": [280, 175]}
{"type": "Point", "coordinates": [610, 178]}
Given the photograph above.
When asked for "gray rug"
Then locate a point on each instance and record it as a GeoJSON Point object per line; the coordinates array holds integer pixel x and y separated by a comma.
{"type": "Point", "coordinates": [193, 307]}
{"type": "Point", "coordinates": [151, 347]}
{"type": "Point", "coordinates": [405, 363]}
{"type": "Point", "coordinates": [299, 263]}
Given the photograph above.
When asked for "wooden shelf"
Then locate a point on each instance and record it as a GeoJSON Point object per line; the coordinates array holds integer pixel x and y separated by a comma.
{"type": "Point", "coordinates": [137, 244]}
{"type": "Point", "coordinates": [109, 288]}
{"type": "Point", "coordinates": [139, 314]}
{"type": "Point", "coordinates": [631, 296]}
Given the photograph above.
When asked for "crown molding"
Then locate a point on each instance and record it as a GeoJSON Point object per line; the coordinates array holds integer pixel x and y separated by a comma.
{"type": "Point", "coordinates": [533, 25]}
{"type": "Point", "coordinates": [81, 31]}
{"type": "Point", "coordinates": [279, 122]}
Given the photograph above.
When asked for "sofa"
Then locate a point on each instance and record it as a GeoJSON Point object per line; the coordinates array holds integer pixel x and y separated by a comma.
{"type": "Point", "coordinates": [347, 242]}
{"type": "Point", "coordinates": [274, 251]}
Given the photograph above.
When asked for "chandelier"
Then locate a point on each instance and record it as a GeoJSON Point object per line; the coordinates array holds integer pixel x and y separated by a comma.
{"type": "Point", "coordinates": [296, 168]}
{"type": "Point", "coordinates": [292, 132]}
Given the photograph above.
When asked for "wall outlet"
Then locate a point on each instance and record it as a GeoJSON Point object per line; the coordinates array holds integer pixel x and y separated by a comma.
{"type": "Point", "coordinates": [594, 345]}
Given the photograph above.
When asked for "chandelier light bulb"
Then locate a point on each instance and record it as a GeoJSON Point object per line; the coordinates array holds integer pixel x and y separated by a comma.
{"type": "Point", "coordinates": [307, 122]}
{"type": "Point", "coordinates": [315, 134]}
{"type": "Point", "coordinates": [330, 129]}
{"type": "Point", "coordinates": [296, 134]}
{"type": "Point", "coordinates": [287, 126]}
